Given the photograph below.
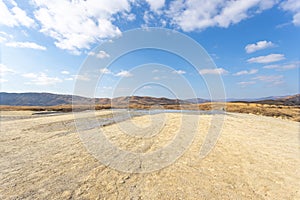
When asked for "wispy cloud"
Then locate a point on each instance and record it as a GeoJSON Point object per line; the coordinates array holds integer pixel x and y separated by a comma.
{"type": "Point", "coordinates": [100, 54]}
{"type": "Point", "coordinates": [179, 72]}
{"type": "Point", "coordinates": [246, 83]}
{"type": "Point", "coordinates": [147, 87]}
{"type": "Point", "coordinates": [4, 69]}
{"type": "Point", "coordinates": [28, 45]}
{"type": "Point", "coordinates": [81, 77]}
{"type": "Point", "coordinates": [65, 72]}
{"type": "Point", "coordinates": [124, 73]}
{"type": "Point", "coordinates": [41, 79]}
{"type": "Point", "coordinates": [273, 79]}
{"type": "Point", "coordinates": [250, 48]}
{"type": "Point", "coordinates": [267, 59]}
{"type": "Point", "coordinates": [2, 80]}
{"type": "Point", "coordinates": [283, 67]}
{"type": "Point", "coordinates": [105, 71]}
{"type": "Point", "coordinates": [246, 72]}
{"type": "Point", "coordinates": [217, 71]}
{"type": "Point", "coordinates": [4, 36]}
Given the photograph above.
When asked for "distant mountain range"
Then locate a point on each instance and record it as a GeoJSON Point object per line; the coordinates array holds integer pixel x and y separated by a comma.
{"type": "Point", "coordinates": [48, 99]}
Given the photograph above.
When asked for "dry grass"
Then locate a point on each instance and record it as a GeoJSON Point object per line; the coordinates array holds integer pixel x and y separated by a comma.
{"type": "Point", "coordinates": [256, 157]}
{"type": "Point", "coordinates": [281, 111]}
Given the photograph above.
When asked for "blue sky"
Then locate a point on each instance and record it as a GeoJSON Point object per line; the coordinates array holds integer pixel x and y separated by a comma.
{"type": "Point", "coordinates": [254, 44]}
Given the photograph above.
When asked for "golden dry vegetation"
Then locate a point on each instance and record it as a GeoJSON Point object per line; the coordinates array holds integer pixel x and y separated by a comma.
{"type": "Point", "coordinates": [279, 111]}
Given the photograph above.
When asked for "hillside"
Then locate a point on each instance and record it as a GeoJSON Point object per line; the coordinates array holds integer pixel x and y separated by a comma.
{"type": "Point", "coordinates": [48, 99]}
{"type": "Point", "coordinates": [292, 100]}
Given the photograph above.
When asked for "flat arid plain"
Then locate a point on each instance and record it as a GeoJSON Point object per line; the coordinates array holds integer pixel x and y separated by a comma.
{"type": "Point", "coordinates": [255, 157]}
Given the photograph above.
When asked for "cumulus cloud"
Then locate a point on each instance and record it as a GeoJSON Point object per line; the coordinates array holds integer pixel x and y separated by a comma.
{"type": "Point", "coordinates": [179, 72]}
{"type": "Point", "coordinates": [14, 16]}
{"type": "Point", "coordinates": [267, 59]}
{"type": "Point", "coordinates": [294, 7]}
{"type": "Point", "coordinates": [155, 5]}
{"type": "Point", "coordinates": [85, 23]}
{"type": "Point", "coordinates": [250, 48]}
{"type": "Point", "coordinates": [41, 79]}
{"type": "Point", "coordinates": [217, 71]}
{"type": "Point", "coordinates": [198, 15]}
{"type": "Point", "coordinates": [28, 45]}
{"type": "Point", "coordinates": [246, 72]}
{"type": "Point", "coordinates": [124, 73]}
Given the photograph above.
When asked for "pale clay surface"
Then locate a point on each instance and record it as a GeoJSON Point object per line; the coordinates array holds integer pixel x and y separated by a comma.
{"type": "Point", "coordinates": [256, 157]}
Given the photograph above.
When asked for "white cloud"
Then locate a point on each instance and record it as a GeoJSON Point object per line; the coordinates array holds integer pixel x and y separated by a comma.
{"type": "Point", "coordinates": [250, 48]}
{"type": "Point", "coordinates": [28, 45]}
{"type": "Point", "coordinates": [81, 77]}
{"type": "Point", "coordinates": [155, 5]}
{"type": "Point", "coordinates": [246, 83]}
{"type": "Point", "coordinates": [105, 71]}
{"type": "Point", "coordinates": [4, 69]}
{"type": "Point", "coordinates": [3, 80]}
{"type": "Point", "coordinates": [273, 79]}
{"type": "Point", "coordinates": [178, 72]}
{"type": "Point", "coordinates": [4, 36]}
{"type": "Point", "coordinates": [267, 59]}
{"type": "Point", "coordinates": [217, 71]}
{"type": "Point", "coordinates": [75, 25]}
{"type": "Point", "coordinates": [130, 17]}
{"type": "Point", "coordinates": [2, 39]}
{"type": "Point", "coordinates": [294, 7]}
{"type": "Point", "coordinates": [107, 87]}
{"type": "Point", "coordinates": [124, 73]}
{"type": "Point", "coordinates": [246, 72]}
{"type": "Point", "coordinates": [198, 15]}
{"type": "Point", "coordinates": [14, 16]}
{"type": "Point", "coordinates": [283, 67]}
{"type": "Point", "coordinates": [30, 75]}
{"type": "Point", "coordinates": [100, 54]}
{"type": "Point", "coordinates": [69, 79]}
{"type": "Point", "coordinates": [147, 87]}
{"type": "Point", "coordinates": [41, 79]}
{"type": "Point", "coordinates": [155, 71]}
{"type": "Point", "coordinates": [65, 72]}
{"type": "Point", "coordinates": [148, 17]}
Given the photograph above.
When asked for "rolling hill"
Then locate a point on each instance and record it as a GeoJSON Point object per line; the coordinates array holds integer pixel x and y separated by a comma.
{"type": "Point", "coordinates": [49, 99]}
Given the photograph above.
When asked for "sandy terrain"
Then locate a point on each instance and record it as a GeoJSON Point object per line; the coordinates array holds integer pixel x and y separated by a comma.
{"type": "Point", "coordinates": [256, 157]}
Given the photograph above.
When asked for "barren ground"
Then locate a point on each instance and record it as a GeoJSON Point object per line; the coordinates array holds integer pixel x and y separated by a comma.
{"type": "Point", "coordinates": [256, 157]}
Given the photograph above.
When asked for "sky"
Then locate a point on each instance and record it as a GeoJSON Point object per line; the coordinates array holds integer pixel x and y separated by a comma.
{"type": "Point", "coordinates": [253, 44]}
